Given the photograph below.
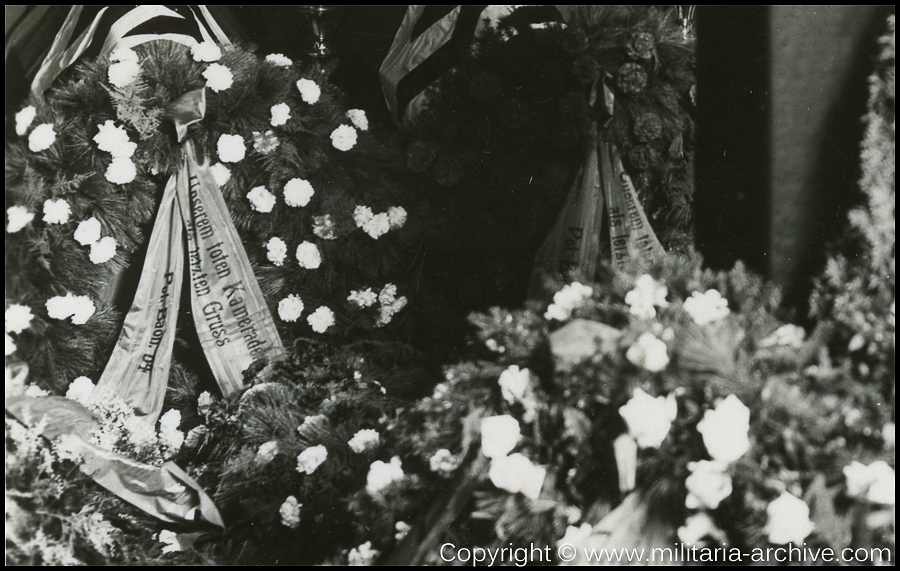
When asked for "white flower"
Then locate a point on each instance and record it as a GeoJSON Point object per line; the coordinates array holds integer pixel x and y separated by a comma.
{"type": "Point", "coordinates": [697, 527]}
{"type": "Point", "coordinates": [377, 226]}
{"type": "Point", "coordinates": [41, 138]}
{"type": "Point", "coordinates": [310, 459]}
{"type": "Point", "coordinates": [443, 462]}
{"type": "Point", "coordinates": [785, 336]}
{"type": "Point", "coordinates": [649, 419]}
{"type": "Point", "coordinates": [708, 484]}
{"type": "Point", "coordinates": [308, 256]}
{"type": "Point", "coordinates": [363, 555]}
{"type": "Point", "coordinates": [265, 143]}
{"type": "Point", "coordinates": [276, 250]}
{"type": "Point", "coordinates": [204, 402]}
{"type": "Point", "coordinates": [401, 528]}
{"type": "Point", "coordinates": [103, 250]}
{"type": "Point", "coordinates": [361, 215]}
{"type": "Point", "coordinates": [363, 297]}
{"type": "Point", "coordinates": [647, 295]}
{"type": "Point", "coordinates": [34, 391]}
{"type": "Point", "coordinates": [298, 192]}
{"type": "Point", "coordinates": [290, 308]}
{"type": "Point", "coordinates": [280, 114]}
{"type": "Point", "coordinates": [343, 138]}
{"type": "Point", "coordinates": [499, 435]}
{"type": "Point", "coordinates": [309, 90]}
{"type": "Point", "coordinates": [514, 383]}
{"type": "Point", "coordinates": [80, 390]}
{"type": "Point", "coordinates": [788, 520]}
{"type": "Point", "coordinates": [279, 60]}
{"type": "Point", "coordinates": [221, 174]}
{"type": "Point", "coordinates": [515, 473]}
{"type": "Point", "coordinates": [168, 429]}
{"type": "Point", "coordinates": [88, 231]}
{"type": "Point", "coordinates": [231, 148]}
{"type": "Point", "coordinates": [726, 429]}
{"type": "Point", "coordinates": [10, 345]}
{"type": "Point", "coordinates": [24, 118]}
{"type": "Point", "coordinates": [218, 77]}
{"type": "Point", "coordinates": [323, 227]}
{"type": "Point", "coordinates": [122, 74]}
{"type": "Point", "coordinates": [567, 300]}
{"type": "Point", "coordinates": [364, 440]}
{"type": "Point", "coordinates": [396, 216]}
{"type": "Point", "coordinates": [321, 319]}
{"type": "Point", "coordinates": [874, 482]}
{"type": "Point", "coordinates": [84, 309]}
{"type": "Point", "coordinates": [18, 318]}
{"type": "Point", "coordinates": [381, 475]}
{"type": "Point", "coordinates": [266, 452]}
{"type": "Point", "coordinates": [887, 434]}
{"type": "Point", "coordinates": [390, 304]}
{"type": "Point", "coordinates": [706, 307]}
{"type": "Point", "coordinates": [56, 211]}
{"type": "Point", "coordinates": [576, 535]}
{"type": "Point", "coordinates": [114, 140]}
{"type": "Point", "coordinates": [648, 352]}
{"type": "Point", "coordinates": [206, 52]}
{"type": "Point", "coordinates": [290, 512]}
{"type": "Point", "coordinates": [170, 540]}
{"type": "Point", "coordinates": [121, 170]}
{"type": "Point", "coordinates": [123, 53]}
{"type": "Point", "coordinates": [19, 217]}
{"type": "Point", "coordinates": [261, 200]}
{"type": "Point", "coordinates": [358, 118]}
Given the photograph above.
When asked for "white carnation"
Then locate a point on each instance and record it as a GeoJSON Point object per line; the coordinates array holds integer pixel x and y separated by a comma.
{"type": "Point", "coordinates": [358, 118]}
{"type": "Point", "coordinates": [41, 138]}
{"type": "Point", "coordinates": [647, 295]}
{"type": "Point", "coordinates": [648, 352]}
{"type": "Point", "coordinates": [231, 148]}
{"type": "Point", "coordinates": [726, 430]}
{"type": "Point", "coordinates": [377, 226]}
{"type": "Point", "coordinates": [309, 90]}
{"type": "Point", "coordinates": [280, 114]}
{"type": "Point", "coordinates": [706, 307]}
{"type": "Point", "coordinates": [396, 216]}
{"type": "Point", "coordinates": [708, 484]}
{"type": "Point", "coordinates": [290, 512]}
{"type": "Point", "coordinates": [124, 73]}
{"type": "Point", "coordinates": [364, 440]}
{"type": "Point", "coordinates": [218, 77]}
{"type": "Point", "coordinates": [279, 60]}
{"type": "Point", "coordinates": [874, 482]}
{"type": "Point", "coordinates": [56, 211]}
{"type": "Point", "coordinates": [103, 250]}
{"type": "Point", "coordinates": [343, 138]}
{"type": "Point", "coordinates": [121, 170]}
{"type": "Point", "coordinates": [649, 418]}
{"type": "Point", "coordinates": [321, 319]}
{"type": "Point", "coordinates": [170, 542]}
{"type": "Point", "coordinates": [381, 475]}
{"type": "Point", "coordinates": [514, 383]}
{"type": "Point", "coordinates": [10, 345]}
{"type": "Point", "coordinates": [88, 231]}
{"type": "Point", "coordinates": [80, 390]}
{"type": "Point", "coordinates": [788, 520]}
{"type": "Point", "coordinates": [567, 300]}
{"type": "Point", "coordinates": [24, 118]}
{"type": "Point", "coordinates": [290, 308]}
{"type": "Point", "coordinates": [169, 434]}
{"type": "Point", "coordinates": [298, 192]}
{"type": "Point", "coordinates": [696, 528]}
{"type": "Point", "coordinates": [18, 318]}
{"type": "Point", "coordinates": [310, 459]}
{"type": "Point", "coordinates": [114, 140]}
{"type": "Point", "coordinates": [266, 452]}
{"type": "Point", "coordinates": [499, 435]}
{"type": "Point", "coordinates": [79, 307]}
{"type": "Point", "coordinates": [361, 215]}
{"type": "Point", "coordinates": [19, 217]}
{"type": "Point", "coordinates": [363, 298]}
{"type": "Point", "coordinates": [788, 335]}
{"type": "Point", "coordinates": [221, 174]}
{"type": "Point", "coordinates": [443, 462]}
{"type": "Point", "coordinates": [204, 402]}
{"type": "Point", "coordinates": [123, 53]}
{"type": "Point", "coordinates": [516, 474]}
{"type": "Point", "coordinates": [261, 200]}
{"type": "Point", "coordinates": [206, 52]}
{"type": "Point", "coordinates": [265, 143]}
{"type": "Point", "coordinates": [323, 227]}
{"type": "Point", "coordinates": [276, 250]}
{"type": "Point", "coordinates": [362, 556]}
{"type": "Point", "coordinates": [308, 256]}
